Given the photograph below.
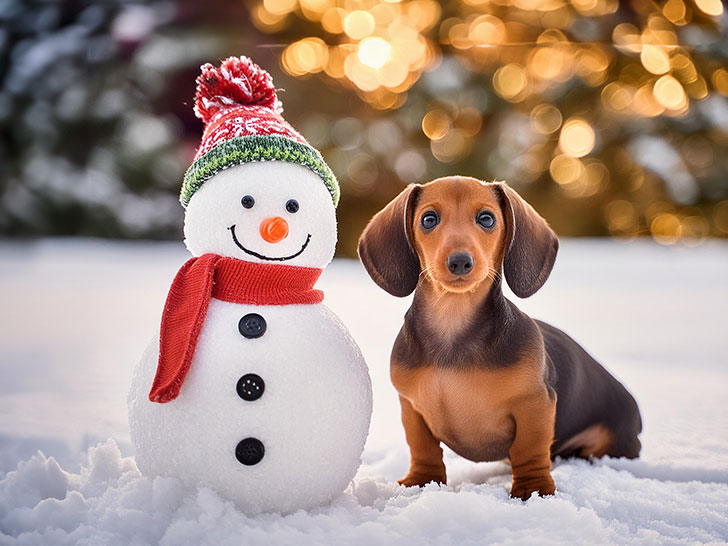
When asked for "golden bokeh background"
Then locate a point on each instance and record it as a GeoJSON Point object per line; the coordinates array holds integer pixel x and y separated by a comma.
{"type": "Point", "coordinates": [610, 117]}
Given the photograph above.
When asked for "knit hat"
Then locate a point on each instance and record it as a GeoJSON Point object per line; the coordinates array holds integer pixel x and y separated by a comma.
{"type": "Point", "coordinates": [242, 115]}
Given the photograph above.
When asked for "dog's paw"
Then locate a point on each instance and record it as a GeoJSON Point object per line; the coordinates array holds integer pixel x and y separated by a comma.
{"type": "Point", "coordinates": [525, 487]}
{"type": "Point", "coordinates": [420, 480]}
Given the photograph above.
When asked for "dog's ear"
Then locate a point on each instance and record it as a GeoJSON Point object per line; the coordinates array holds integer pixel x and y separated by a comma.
{"type": "Point", "coordinates": [531, 245]}
{"type": "Point", "coordinates": [386, 247]}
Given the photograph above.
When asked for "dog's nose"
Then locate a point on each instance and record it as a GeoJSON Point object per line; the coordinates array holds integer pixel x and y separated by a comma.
{"type": "Point", "coordinates": [460, 263]}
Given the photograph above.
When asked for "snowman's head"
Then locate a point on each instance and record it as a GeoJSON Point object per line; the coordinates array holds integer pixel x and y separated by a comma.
{"type": "Point", "coordinates": [267, 212]}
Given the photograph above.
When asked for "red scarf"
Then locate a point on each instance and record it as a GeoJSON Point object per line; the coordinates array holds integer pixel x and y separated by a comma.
{"type": "Point", "coordinates": [227, 279]}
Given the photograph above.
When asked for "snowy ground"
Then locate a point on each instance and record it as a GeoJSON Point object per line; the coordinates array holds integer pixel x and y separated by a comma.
{"type": "Point", "coordinates": [76, 316]}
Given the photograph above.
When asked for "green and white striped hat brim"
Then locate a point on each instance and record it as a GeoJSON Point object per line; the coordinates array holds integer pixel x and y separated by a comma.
{"type": "Point", "coordinates": [249, 148]}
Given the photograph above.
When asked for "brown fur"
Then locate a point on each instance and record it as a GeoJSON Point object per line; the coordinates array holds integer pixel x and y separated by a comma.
{"type": "Point", "coordinates": [472, 371]}
{"type": "Point", "coordinates": [595, 441]}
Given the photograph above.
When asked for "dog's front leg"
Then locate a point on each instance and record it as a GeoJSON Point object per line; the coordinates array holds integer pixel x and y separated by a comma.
{"type": "Point", "coordinates": [530, 452]}
{"type": "Point", "coordinates": [426, 464]}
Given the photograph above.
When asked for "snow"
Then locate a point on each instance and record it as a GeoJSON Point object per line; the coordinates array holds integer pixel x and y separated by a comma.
{"type": "Point", "coordinates": [77, 315]}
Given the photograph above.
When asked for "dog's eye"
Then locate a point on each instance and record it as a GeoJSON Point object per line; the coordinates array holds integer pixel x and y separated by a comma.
{"type": "Point", "coordinates": [292, 206]}
{"type": "Point", "coordinates": [430, 219]}
{"type": "Point", "coordinates": [248, 201]}
{"type": "Point", "coordinates": [486, 219]}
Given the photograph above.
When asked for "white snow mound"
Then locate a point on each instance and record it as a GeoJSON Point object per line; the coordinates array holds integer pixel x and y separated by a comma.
{"type": "Point", "coordinates": [109, 502]}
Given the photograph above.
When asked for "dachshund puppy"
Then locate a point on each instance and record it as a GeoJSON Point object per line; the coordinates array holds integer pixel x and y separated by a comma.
{"type": "Point", "coordinates": [472, 371]}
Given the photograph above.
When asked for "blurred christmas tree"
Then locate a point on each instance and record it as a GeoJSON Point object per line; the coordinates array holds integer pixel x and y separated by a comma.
{"type": "Point", "coordinates": [610, 117]}
{"type": "Point", "coordinates": [96, 126]}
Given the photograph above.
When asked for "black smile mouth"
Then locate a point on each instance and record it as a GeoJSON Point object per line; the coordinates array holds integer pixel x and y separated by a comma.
{"type": "Point", "coordinates": [270, 258]}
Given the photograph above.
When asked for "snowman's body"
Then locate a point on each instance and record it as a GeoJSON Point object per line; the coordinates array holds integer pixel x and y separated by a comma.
{"type": "Point", "coordinates": [312, 416]}
{"type": "Point", "coordinates": [298, 444]}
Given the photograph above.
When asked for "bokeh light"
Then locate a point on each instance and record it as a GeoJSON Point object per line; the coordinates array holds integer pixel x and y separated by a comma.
{"type": "Point", "coordinates": [577, 138]}
{"type": "Point", "coordinates": [510, 82]}
{"type": "Point", "coordinates": [669, 93]}
{"type": "Point", "coordinates": [374, 52]}
{"type": "Point", "coordinates": [590, 105]}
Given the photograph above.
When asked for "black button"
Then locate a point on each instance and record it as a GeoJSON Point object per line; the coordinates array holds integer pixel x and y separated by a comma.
{"type": "Point", "coordinates": [250, 451]}
{"type": "Point", "coordinates": [250, 387]}
{"type": "Point", "coordinates": [252, 325]}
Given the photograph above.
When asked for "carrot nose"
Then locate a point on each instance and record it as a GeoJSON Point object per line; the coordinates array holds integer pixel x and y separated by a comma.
{"type": "Point", "coordinates": [274, 230]}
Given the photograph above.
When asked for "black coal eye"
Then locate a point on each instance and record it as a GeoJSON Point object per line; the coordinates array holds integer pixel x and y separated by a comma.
{"type": "Point", "coordinates": [486, 219]}
{"type": "Point", "coordinates": [430, 219]}
{"type": "Point", "coordinates": [292, 206]}
{"type": "Point", "coordinates": [248, 201]}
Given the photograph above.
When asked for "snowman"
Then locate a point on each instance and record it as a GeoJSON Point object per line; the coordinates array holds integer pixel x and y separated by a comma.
{"type": "Point", "coordinates": [252, 387]}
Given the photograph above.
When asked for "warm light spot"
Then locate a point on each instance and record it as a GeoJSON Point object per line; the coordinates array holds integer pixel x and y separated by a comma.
{"type": "Point", "coordinates": [363, 76]}
{"type": "Point", "coordinates": [577, 138]}
{"type": "Point", "coordinates": [509, 81]}
{"type": "Point", "coordinates": [313, 10]}
{"type": "Point", "coordinates": [697, 89]}
{"type": "Point", "coordinates": [665, 228]}
{"type": "Point", "coordinates": [632, 74]}
{"type": "Point", "coordinates": [596, 177]}
{"type": "Point", "coordinates": [710, 7]}
{"type": "Point", "coordinates": [267, 21]}
{"type": "Point", "coordinates": [588, 182]}
{"type": "Point", "coordinates": [655, 59]}
{"type": "Point", "coordinates": [592, 64]}
{"type": "Point", "coordinates": [335, 63]}
{"type": "Point", "coordinates": [436, 124]}
{"type": "Point", "coordinates": [561, 17]}
{"type": "Point", "coordinates": [658, 207]}
{"type": "Point", "coordinates": [305, 56]}
{"type": "Point", "coordinates": [459, 36]}
{"type": "Point", "coordinates": [332, 20]}
{"type": "Point", "coordinates": [659, 31]}
{"type": "Point", "coordinates": [384, 14]}
{"type": "Point", "coordinates": [384, 99]}
{"type": "Point", "coordinates": [627, 36]}
{"type": "Point", "coordinates": [585, 6]}
{"type": "Point", "coordinates": [551, 36]}
{"type": "Point", "coordinates": [719, 79]}
{"type": "Point", "coordinates": [670, 93]}
{"type": "Point", "coordinates": [374, 52]}
{"type": "Point", "coordinates": [683, 68]}
{"type": "Point", "coordinates": [565, 169]}
{"type": "Point", "coordinates": [644, 103]}
{"type": "Point", "coordinates": [469, 121]}
{"type": "Point", "coordinates": [550, 63]}
{"type": "Point", "coordinates": [392, 73]}
{"type": "Point", "coordinates": [546, 118]}
{"type": "Point", "coordinates": [359, 24]}
{"type": "Point", "coordinates": [409, 46]}
{"type": "Point", "coordinates": [674, 10]}
{"type": "Point", "coordinates": [616, 96]}
{"type": "Point", "coordinates": [487, 30]}
{"type": "Point", "coordinates": [280, 7]}
{"type": "Point", "coordinates": [423, 14]}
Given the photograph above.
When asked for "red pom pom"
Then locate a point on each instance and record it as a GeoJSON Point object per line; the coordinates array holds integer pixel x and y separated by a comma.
{"type": "Point", "coordinates": [238, 81]}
